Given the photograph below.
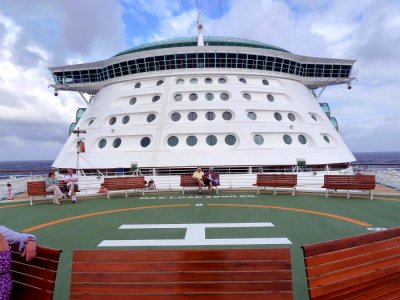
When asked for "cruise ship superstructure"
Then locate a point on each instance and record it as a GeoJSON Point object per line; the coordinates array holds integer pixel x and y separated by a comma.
{"type": "Point", "coordinates": [208, 101]}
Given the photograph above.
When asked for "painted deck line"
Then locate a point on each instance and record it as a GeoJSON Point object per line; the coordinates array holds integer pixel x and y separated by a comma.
{"type": "Point", "coordinates": [361, 223]}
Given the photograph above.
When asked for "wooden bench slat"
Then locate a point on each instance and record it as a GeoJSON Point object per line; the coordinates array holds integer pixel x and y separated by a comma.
{"type": "Point", "coordinates": [349, 182]}
{"type": "Point", "coordinates": [44, 255]}
{"type": "Point", "coordinates": [33, 280]}
{"type": "Point", "coordinates": [124, 183]}
{"type": "Point", "coordinates": [277, 180]}
{"type": "Point", "coordinates": [26, 292]}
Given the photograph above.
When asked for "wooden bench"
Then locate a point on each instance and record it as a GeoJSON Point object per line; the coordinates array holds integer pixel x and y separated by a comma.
{"type": "Point", "coordinates": [276, 180]}
{"type": "Point", "coordinates": [124, 183]}
{"type": "Point", "coordinates": [211, 274]}
{"type": "Point", "coordinates": [359, 267]}
{"type": "Point", "coordinates": [36, 279]}
{"type": "Point", "coordinates": [38, 188]}
{"type": "Point", "coordinates": [349, 182]}
{"type": "Point", "coordinates": [187, 180]}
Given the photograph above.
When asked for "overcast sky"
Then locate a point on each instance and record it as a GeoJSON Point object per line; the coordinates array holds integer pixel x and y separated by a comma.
{"type": "Point", "coordinates": [37, 34]}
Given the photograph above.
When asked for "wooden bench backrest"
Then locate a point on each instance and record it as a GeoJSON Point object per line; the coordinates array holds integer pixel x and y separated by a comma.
{"type": "Point", "coordinates": [182, 274]}
{"type": "Point", "coordinates": [38, 187]}
{"type": "Point", "coordinates": [188, 180]}
{"type": "Point", "coordinates": [356, 181]}
{"type": "Point", "coordinates": [36, 279]}
{"type": "Point", "coordinates": [122, 183]}
{"type": "Point", "coordinates": [361, 266]}
{"type": "Point", "coordinates": [277, 179]}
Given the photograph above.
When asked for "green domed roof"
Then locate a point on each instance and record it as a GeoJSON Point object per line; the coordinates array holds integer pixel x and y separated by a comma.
{"type": "Point", "coordinates": [208, 40]}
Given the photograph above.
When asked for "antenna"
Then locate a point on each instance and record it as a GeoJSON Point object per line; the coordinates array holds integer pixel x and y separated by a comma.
{"type": "Point", "coordinates": [200, 39]}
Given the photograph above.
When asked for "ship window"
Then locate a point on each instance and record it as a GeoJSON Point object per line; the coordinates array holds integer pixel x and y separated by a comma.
{"type": "Point", "coordinates": [230, 140]}
{"type": "Point", "coordinates": [242, 80]}
{"type": "Point", "coordinates": [91, 122]}
{"type": "Point", "coordinates": [192, 116]}
{"type": "Point", "coordinates": [226, 115]}
{"type": "Point", "coordinates": [145, 142]}
{"type": "Point", "coordinates": [125, 119]}
{"type": "Point", "coordinates": [270, 98]}
{"type": "Point", "coordinates": [302, 139]}
{"type": "Point", "coordinates": [180, 81]}
{"type": "Point", "coordinates": [208, 80]}
{"type": "Point", "coordinates": [160, 82]}
{"type": "Point", "coordinates": [102, 143]}
{"type": "Point", "coordinates": [211, 140]}
{"type": "Point", "coordinates": [117, 143]}
{"type": "Point", "coordinates": [278, 116]}
{"type": "Point", "coordinates": [265, 82]}
{"type": "Point", "coordinates": [258, 139]}
{"type": "Point", "coordinates": [291, 117]}
{"type": "Point", "coordinates": [222, 80]}
{"type": "Point", "coordinates": [151, 118]}
{"type": "Point", "coordinates": [251, 115]}
{"type": "Point", "coordinates": [210, 115]}
{"type": "Point", "coordinates": [193, 97]}
{"type": "Point", "coordinates": [138, 85]}
{"type": "Point", "coordinates": [132, 101]}
{"type": "Point", "coordinates": [191, 140]}
{"type": "Point", "coordinates": [224, 96]}
{"type": "Point", "coordinates": [209, 96]}
{"type": "Point", "coordinates": [326, 139]}
{"type": "Point", "coordinates": [156, 98]}
{"type": "Point", "coordinates": [113, 120]}
{"type": "Point", "coordinates": [193, 81]}
{"type": "Point", "coordinates": [173, 141]}
{"type": "Point", "coordinates": [314, 118]}
{"type": "Point", "coordinates": [175, 116]}
{"type": "Point", "coordinates": [247, 96]}
{"type": "Point", "coordinates": [178, 97]}
{"type": "Point", "coordinates": [287, 139]}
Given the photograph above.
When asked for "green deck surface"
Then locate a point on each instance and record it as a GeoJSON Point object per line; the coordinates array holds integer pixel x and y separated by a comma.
{"type": "Point", "coordinates": [298, 218]}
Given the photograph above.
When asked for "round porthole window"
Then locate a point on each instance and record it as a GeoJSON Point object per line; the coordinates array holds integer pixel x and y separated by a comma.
{"type": "Point", "coordinates": [178, 97]}
{"type": "Point", "coordinates": [222, 80]}
{"type": "Point", "coordinates": [242, 80]}
{"type": "Point", "coordinates": [194, 81]}
{"type": "Point", "coordinates": [302, 139]}
{"type": "Point", "coordinates": [132, 101]}
{"type": "Point", "coordinates": [210, 116]}
{"type": "Point", "coordinates": [208, 80]}
{"type": "Point", "coordinates": [278, 116]}
{"type": "Point", "coordinates": [247, 96]}
{"type": "Point", "coordinates": [251, 115]}
{"type": "Point", "coordinates": [258, 139]}
{"type": "Point", "coordinates": [117, 143]}
{"type": "Point", "coordinates": [193, 97]}
{"type": "Point", "coordinates": [224, 96]}
{"type": "Point", "coordinates": [287, 139]}
{"type": "Point", "coordinates": [112, 120]}
{"type": "Point", "coordinates": [180, 81]}
{"type": "Point", "coordinates": [270, 98]}
{"type": "Point", "coordinates": [265, 82]}
{"type": "Point", "coordinates": [156, 98]}
{"type": "Point", "coordinates": [226, 115]}
{"type": "Point", "coordinates": [102, 143]}
{"type": "Point", "coordinates": [175, 117]}
{"type": "Point", "coordinates": [192, 116]}
{"type": "Point", "coordinates": [191, 140]}
{"type": "Point", "coordinates": [138, 85]}
{"type": "Point", "coordinates": [160, 82]}
{"type": "Point", "coordinates": [291, 117]}
{"type": "Point", "coordinates": [125, 119]}
{"type": "Point", "coordinates": [230, 140]}
{"type": "Point", "coordinates": [326, 139]}
{"type": "Point", "coordinates": [211, 140]}
{"type": "Point", "coordinates": [91, 122]}
{"type": "Point", "coordinates": [209, 96]}
{"type": "Point", "coordinates": [151, 118]}
{"type": "Point", "coordinates": [173, 141]}
{"type": "Point", "coordinates": [145, 142]}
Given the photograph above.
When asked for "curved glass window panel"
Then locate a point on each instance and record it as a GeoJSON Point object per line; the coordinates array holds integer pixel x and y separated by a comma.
{"type": "Point", "coordinates": [210, 115]}
{"type": "Point", "coordinates": [91, 122]}
{"type": "Point", "coordinates": [270, 98]}
{"type": "Point", "coordinates": [175, 117]}
{"type": "Point", "coordinates": [314, 118]}
{"type": "Point", "coordinates": [191, 140]}
{"type": "Point", "coordinates": [258, 139]}
{"type": "Point", "coordinates": [194, 81]}
{"type": "Point", "coordinates": [125, 119]}
{"type": "Point", "coordinates": [209, 96]}
{"type": "Point", "coordinates": [302, 139]}
{"type": "Point", "coordinates": [112, 120]}
{"type": "Point", "coordinates": [222, 80]}
{"type": "Point", "coordinates": [193, 97]}
{"type": "Point", "coordinates": [208, 80]}
{"type": "Point", "coordinates": [117, 143]}
{"type": "Point", "coordinates": [160, 82]}
{"type": "Point", "coordinates": [265, 82]}
{"type": "Point", "coordinates": [102, 143]}
{"type": "Point", "coordinates": [291, 117]}
{"type": "Point", "coordinates": [224, 96]}
{"type": "Point", "coordinates": [156, 98]}
{"type": "Point", "coordinates": [145, 142]}
{"type": "Point", "coordinates": [192, 116]}
{"type": "Point", "coordinates": [242, 80]}
{"type": "Point", "coordinates": [230, 140]}
{"type": "Point", "coordinates": [180, 81]}
{"type": "Point", "coordinates": [326, 139]}
{"type": "Point", "coordinates": [138, 85]}
{"type": "Point", "coordinates": [178, 97]}
{"type": "Point", "coordinates": [151, 118]}
{"type": "Point", "coordinates": [226, 115]}
{"type": "Point", "coordinates": [278, 116]}
{"type": "Point", "coordinates": [132, 101]}
{"type": "Point", "coordinates": [251, 115]}
{"type": "Point", "coordinates": [173, 141]}
{"type": "Point", "coordinates": [211, 140]}
{"type": "Point", "coordinates": [247, 96]}
{"type": "Point", "coordinates": [287, 139]}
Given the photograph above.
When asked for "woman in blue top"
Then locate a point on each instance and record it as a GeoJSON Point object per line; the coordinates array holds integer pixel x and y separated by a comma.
{"type": "Point", "coordinates": [52, 186]}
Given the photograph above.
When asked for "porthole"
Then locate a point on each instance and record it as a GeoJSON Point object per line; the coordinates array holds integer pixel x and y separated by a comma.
{"type": "Point", "coordinates": [151, 118]}
{"type": "Point", "coordinates": [125, 119]}
{"type": "Point", "coordinates": [193, 97]}
{"type": "Point", "coordinates": [112, 120]}
{"type": "Point", "coordinates": [132, 101]}
{"type": "Point", "coordinates": [210, 115]}
{"type": "Point", "coordinates": [175, 117]}
{"type": "Point", "coordinates": [326, 139]}
{"type": "Point", "coordinates": [242, 80]}
{"type": "Point", "coordinates": [278, 116]}
{"type": "Point", "coordinates": [209, 96]}
{"type": "Point", "coordinates": [145, 142]}
{"type": "Point", "coordinates": [247, 96]}
{"type": "Point", "coordinates": [258, 139]}
{"type": "Point", "coordinates": [208, 80]}
{"type": "Point", "coordinates": [265, 82]}
{"type": "Point", "coordinates": [302, 139]}
{"type": "Point", "coordinates": [117, 143]}
{"type": "Point", "coordinates": [160, 82]}
{"type": "Point", "coordinates": [211, 140]}
{"type": "Point", "coordinates": [270, 98]}
{"type": "Point", "coordinates": [251, 115]}
{"type": "Point", "coordinates": [178, 97]}
{"type": "Point", "coordinates": [156, 98]}
{"type": "Point", "coordinates": [192, 116]}
{"type": "Point", "coordinates": [222, 80]}
{"type": "Point", "coordinates": [138, 85]}
{"type": "Point", "coordinates": [102, 143]}
{"type": "Point", "coordinates": [224, 96]}
{"type": "Point", "coordinates": [91, 122]}
{"type": "Point", "coordinates": [180, 81]}
{"type": "Point", "coordinates": [287, 139]}
{"type": "Point", "coordinates": [314, 118]}
{"type": "Point", "coordinates": [230, 140]}
{"type": "Point", "coordinates": [191, 140]}
{"type": "Point", "coordinates": [193, 81]}
{"type": "Point", "coordinates": [226, 115]}
{"type": "Point", "coordinates": [291, 117]}
{"type": "Point", "coordinates": [173, 141]}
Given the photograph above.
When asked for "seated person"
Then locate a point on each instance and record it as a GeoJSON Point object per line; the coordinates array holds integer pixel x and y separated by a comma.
{"type": "Point", "coordinates": [72, 184]}
{"type": "Point", "coordinates": [198, 177]}
{"type": "Point", "coordinates": [211, 179]}
{"type": "Point", "coordinates": [52, 186]}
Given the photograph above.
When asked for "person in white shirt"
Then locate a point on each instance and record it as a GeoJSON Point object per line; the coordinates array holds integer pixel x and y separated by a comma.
{"type": "Point", "coordinates": [72, 184]}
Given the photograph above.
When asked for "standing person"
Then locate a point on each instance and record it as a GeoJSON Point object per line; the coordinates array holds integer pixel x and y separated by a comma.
{"type": "Point", "coordinates": [72, 184]}
{"type": "Point", "coordinates": [27, 244]}
{"type": "Point", "coordinates": [10, 191]}
{"type": "Point", "coordinates": [198, 177]}
{"type": "Point", "coordinates": [52, 186]}
{"type": "Point", "coordinates": [211, 179]}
